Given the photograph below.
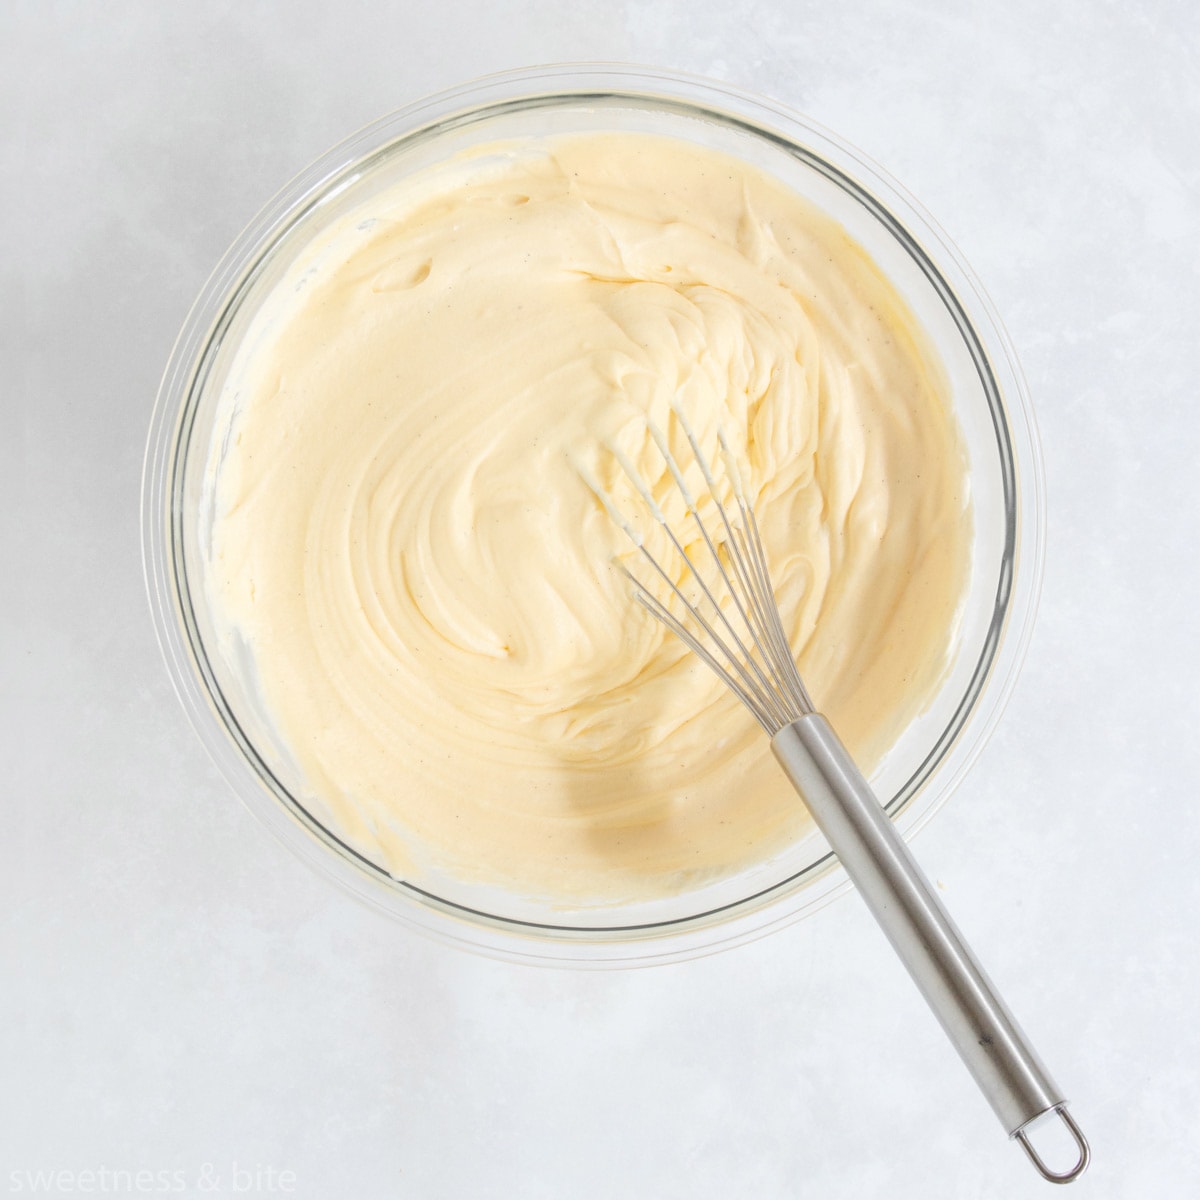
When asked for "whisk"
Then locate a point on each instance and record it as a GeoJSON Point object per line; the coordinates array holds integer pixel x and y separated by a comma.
{"type": "Point", "coordinates": [731, 621]}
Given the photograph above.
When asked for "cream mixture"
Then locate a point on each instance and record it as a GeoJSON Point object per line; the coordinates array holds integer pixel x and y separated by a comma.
{"type": "Point", "coordinates": [427, 587]}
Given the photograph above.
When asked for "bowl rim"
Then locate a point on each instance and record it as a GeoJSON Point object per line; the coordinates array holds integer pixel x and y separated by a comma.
{"type": "Point", "coordinates": [749, 917]}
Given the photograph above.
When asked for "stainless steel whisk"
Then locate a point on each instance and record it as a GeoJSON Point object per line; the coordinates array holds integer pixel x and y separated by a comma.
{"type": "Point", "coordinates": [743, 641]}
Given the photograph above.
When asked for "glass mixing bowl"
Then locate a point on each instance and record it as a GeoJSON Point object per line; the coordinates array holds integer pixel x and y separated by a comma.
{"type": "Point", "coordinates": [991, 405]}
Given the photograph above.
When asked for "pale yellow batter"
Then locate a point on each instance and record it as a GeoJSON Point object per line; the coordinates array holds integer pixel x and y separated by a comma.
{"type": "Point", "coordinates": [426, 586]}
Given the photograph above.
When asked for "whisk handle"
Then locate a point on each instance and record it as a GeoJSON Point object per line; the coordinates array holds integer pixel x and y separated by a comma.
{"type": "Point", "coordinates": [997, 1053]}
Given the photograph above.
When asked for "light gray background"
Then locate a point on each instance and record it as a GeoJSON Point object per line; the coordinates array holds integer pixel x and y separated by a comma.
{"type": "Point", "coordinates": [178, 991]}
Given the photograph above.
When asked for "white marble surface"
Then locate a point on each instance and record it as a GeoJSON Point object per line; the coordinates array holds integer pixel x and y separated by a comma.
{"type": "Point", "coordinates": [178, 992]}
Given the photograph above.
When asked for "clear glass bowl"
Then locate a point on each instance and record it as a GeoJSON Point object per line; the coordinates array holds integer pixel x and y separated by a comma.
{"type": "Point", "coordinates": [991, 405]}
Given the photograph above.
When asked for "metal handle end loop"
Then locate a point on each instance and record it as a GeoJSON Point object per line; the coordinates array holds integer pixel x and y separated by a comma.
{"type": "Point", "coordinates": [1081, 1163]}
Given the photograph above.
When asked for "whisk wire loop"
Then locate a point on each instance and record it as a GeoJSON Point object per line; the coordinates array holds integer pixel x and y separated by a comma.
{"type": "Point", "coordinates": [754, 661]}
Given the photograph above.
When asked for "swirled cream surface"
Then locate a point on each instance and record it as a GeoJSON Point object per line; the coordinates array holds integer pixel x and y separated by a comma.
{"type": "Point", "coordinates": [428, 592]}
